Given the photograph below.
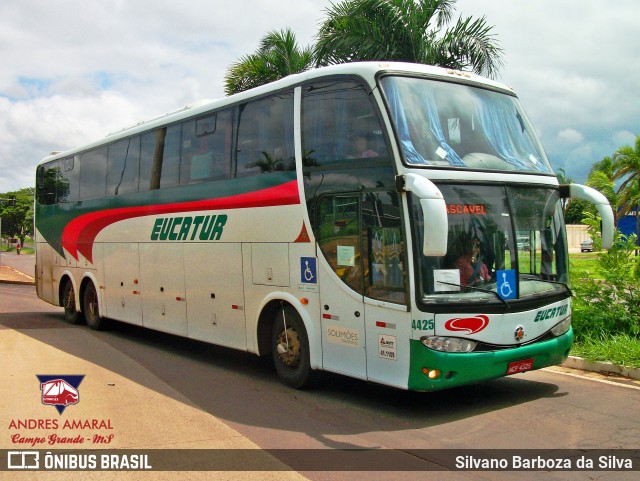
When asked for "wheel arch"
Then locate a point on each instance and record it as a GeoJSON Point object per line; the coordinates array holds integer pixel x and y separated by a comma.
{"type": "Point", "coordinates": [86, 279]}
{"type": "Point", "coordinates": [268, 309]}
{"type": "Point", "coordinates": [64, 278]}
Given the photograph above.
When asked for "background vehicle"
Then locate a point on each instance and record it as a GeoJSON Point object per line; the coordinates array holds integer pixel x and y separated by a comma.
{"type": "Point", "coordinates": [325, 220]}
{"type": "Point", "coordinates": [586, 245]}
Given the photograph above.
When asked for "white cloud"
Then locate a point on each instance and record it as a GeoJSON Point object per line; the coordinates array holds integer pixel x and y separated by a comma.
{"type": "Point", "coordinates": [570, 136]}
{"type": "Point", "coordinates": [73, 71]}
{"type": "Point", "coordinates": [624, 137]}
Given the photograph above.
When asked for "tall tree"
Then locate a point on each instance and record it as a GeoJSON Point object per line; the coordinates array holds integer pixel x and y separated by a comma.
{"type": "Point", "coordinates": [17, 218]}
{"type": "Point", "coordinates": [626, 164]}
{"type": "Point", "coordinates": [278, 55]}
{"type": "Point", "coordinates": [407, 30]}
{"type": "Point", "coordinates": [599, 180]}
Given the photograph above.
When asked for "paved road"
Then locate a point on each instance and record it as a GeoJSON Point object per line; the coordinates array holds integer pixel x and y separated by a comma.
{"type": "Point", "coordinates": [23, 262]}
{"type": "Point", "coordinates": [175, 391]}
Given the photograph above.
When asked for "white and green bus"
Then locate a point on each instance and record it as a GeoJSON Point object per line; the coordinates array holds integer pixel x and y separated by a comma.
{"type": "Point", "coordinates": [392, 222]}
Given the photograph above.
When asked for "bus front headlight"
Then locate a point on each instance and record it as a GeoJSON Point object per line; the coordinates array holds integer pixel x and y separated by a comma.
{"type": "Point", "coordinates": [562, 327]}
{"type": "Point", "coordinates": [448, 344]}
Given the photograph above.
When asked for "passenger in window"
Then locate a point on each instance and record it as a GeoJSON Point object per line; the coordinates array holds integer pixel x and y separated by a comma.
{"type": "Point", "coordinates": [472, 269]}
{"type": "Point", "coordinates": [361, 149]}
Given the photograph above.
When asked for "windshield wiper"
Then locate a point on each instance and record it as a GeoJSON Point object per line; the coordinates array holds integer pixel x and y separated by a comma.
{"type": "Point", "coordinates": [539, 279]}
{"type": "Point", "coordinates": [478, 289]}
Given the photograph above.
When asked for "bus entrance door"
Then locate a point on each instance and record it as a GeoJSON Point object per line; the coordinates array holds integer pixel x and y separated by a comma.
{"type": "Point", "coordinates": [339, 239]}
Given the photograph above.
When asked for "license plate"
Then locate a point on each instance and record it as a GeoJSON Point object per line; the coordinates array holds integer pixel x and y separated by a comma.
{"type": "Point", "coordinates": [520, 366]}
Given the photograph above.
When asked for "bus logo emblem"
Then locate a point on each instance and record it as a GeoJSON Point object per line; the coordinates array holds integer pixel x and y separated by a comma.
{"type": "Point", "coordinates": [60, 390]}
{"type": "Point", "coordinates": [472, 325]}
{"type": "Point", "coordinates": [519, 333]}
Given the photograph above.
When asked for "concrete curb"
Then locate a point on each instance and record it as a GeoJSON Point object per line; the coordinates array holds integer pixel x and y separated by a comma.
{"type": "Point", "coordinates": [9, 275]}
{"type": "Point", "coordinates": [575, 362]}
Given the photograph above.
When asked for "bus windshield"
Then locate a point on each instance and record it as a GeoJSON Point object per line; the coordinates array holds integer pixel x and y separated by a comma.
{"type": "Point", "coordinates": [504, 243]}
{"type": "Point", "coordinates": [443, 124]}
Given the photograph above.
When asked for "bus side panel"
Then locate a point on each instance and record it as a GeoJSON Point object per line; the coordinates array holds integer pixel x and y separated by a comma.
{"type": "Point", "coordinates": [344, 348]}
{"type": "Point", "coordinates": [45, 254]}
{"type": "Point", "coordinates": [164, 305]}
{"type": "Point", "coordinates": [122, 282]}
{"type": "Point", "coordinates": [213, 279]}
{"type": "Point", "coordinates": [388, 347]}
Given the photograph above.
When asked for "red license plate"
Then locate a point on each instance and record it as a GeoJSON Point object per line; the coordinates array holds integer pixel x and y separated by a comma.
{"type": "Point", "coordinates": [520, 366]}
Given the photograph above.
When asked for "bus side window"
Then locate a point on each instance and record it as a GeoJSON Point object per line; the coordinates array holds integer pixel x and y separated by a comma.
{"type": "Point", "coordinates": [265, 136]}
{"type": "Point", "coordinates": [123, 164]}
{"type": "Point", "coordinates": [47, 184]}
{"type": "Point", "coordinates": [150, 177]}
{"type": "Point", "coordinates": [383, 246]}
{"type": "Point", "coordinates": [339, 123]}
{"type": "Point", "coordinates": [93, 173]}
{"type": "Point", "coordinates": [206, 148]}
{"type": "Point", "coordinates": [170, 176]}
{"type": "Point", "coordinates": [339, 237]}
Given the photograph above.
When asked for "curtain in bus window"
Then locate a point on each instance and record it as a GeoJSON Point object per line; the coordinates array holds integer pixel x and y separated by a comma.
{"type": "Point", "coordinates": [411, 155]}
{"type": "Point", "coordinates": [429, 105]}
{"type": "Point", "coordinates": [504, 128]}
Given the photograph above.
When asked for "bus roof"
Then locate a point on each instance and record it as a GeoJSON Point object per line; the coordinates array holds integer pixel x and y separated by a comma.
{"type": "Point", "coordinates": [366, 70]}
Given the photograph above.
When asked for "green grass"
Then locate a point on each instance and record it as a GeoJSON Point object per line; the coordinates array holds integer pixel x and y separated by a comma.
{"type": "Point", "coordinates": [622, 349]}
{"type": "Point", "coordinates": [583, 265]}
{"type": "Point", "coordinates": [12, 250]}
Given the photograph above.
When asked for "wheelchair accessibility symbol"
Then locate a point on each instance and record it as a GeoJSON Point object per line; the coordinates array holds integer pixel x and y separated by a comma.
{"type": "Point", "coordinates": [506, 283]}
{"type": "Point", "coordinates": [308, 270]}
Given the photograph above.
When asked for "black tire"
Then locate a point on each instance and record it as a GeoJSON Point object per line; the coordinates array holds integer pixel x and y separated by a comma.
{"type": "Point", "coordinates": [91, 308]}
{"type": "Point", "coordinates": [71, 314]}
{"type": "Point", "coordinates": [290, 349]}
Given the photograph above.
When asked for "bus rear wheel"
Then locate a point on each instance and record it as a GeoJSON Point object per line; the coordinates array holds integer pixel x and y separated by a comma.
{"type": "Point", "coordinates": [290, 349]}
{"type": "Point", "coordinates": [71, 314]}
{"type": "Point", "coordinates": [91, 308]}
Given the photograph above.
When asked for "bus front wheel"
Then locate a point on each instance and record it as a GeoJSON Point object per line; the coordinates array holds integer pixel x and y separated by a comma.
{"type": "Point", "coordinates": [92, 308]}
{"type": "Point", "coordinates": [290, 349]}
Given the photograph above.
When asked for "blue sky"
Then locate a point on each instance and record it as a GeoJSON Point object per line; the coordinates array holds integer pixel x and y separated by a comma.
{"type": "Point", "coordinates": [74, 71]}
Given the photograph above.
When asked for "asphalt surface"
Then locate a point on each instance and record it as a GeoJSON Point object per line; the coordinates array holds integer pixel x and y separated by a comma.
{"type": "Point", "coordinates": [131, 406]}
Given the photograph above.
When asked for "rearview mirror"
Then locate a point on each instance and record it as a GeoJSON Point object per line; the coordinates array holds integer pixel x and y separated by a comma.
{"type": "Point", "coordinates": [434, 212]}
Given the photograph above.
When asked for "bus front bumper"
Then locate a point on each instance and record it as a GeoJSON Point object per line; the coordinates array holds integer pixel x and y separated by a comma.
{"type": "Point", "coordinates": [457, 369]}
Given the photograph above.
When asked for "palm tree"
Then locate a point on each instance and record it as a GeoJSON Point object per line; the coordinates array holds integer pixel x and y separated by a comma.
{"type": "Point", "coordinates": [278, 56]}
{"type": "Point", "coordinates": [406, 30]}
{"type": "Point", "coordinates": [626, 164]}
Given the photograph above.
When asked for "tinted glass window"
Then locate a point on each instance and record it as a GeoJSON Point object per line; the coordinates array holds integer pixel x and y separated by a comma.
{"type": "Point", "coordinates": [206, 148]}
{"type": "Point", "coordinates": [265, 136]}
{"type": "Point", "coordinates": [93, 173]}
{"type": "Point", "coordinates": [361, 238]}
{"type": "Point", "coordinates": [68, 185]}
{"type": "Point", "coordinates": [170, 176]}
{"type": "Point", "coordinates": [339, 124]}
{"type": "Point", "coordinates": [47, 183]}
{"type": "Point", "coordinates": [150, 177]}
{"type": "Point", "coordinates": [123, 163]}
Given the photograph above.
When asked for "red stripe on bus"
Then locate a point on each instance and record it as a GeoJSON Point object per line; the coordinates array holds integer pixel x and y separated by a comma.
{"type": "Point", "coordinates": [79, 234]}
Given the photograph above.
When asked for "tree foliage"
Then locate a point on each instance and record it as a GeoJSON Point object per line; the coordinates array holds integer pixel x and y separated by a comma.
{"type": "Point", "coordinates": [277, 56]}
{"type": "Point", "coordinates": [626, 165]}
{"type": "Point", "coordinates": [407, 30]}
{"type": "Point", "coordinates": [17, 220]}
